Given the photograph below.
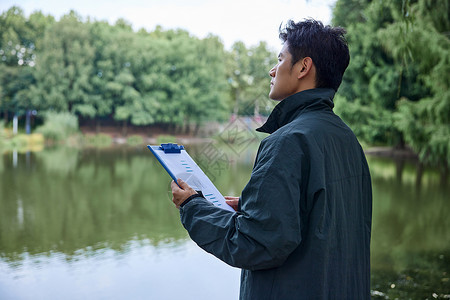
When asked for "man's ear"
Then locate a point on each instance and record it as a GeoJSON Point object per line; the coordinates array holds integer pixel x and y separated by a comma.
{"type": "Point", "coordinates": [304, 67]}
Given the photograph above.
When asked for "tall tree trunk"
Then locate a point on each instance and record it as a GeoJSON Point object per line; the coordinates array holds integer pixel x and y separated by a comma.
{"type": "Point", "coordinates": [187, 127]}
{"type": "Point", "coordinates": [399, 166]}
{"type": "Point", "coordinates": [444, 175]}
{"type": "Point", "coordinates": [5, 116]}
{"type": "Point", "coordinates": [171, 128]}
{"type": "Point", "coordinates": [97, 126]}
{"type": "Point", "coordinates": [27, 122]}
{"type": "Point", "coordinates": [197, 128]}
{"type": "Point", "coordinates": [124, 128]}
{"type": "Point", "coordinates": [256, 109]}
{"type": "Point", "coordinates": [419, 175]}
{"type": "Point", "coordinates": [236, 103]}
{"type": "Point", "coordinates": [401, 144]}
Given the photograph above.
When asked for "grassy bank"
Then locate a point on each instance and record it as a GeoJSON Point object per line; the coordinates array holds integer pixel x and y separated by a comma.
{"type": "Point", "coordinates": [38, 141]}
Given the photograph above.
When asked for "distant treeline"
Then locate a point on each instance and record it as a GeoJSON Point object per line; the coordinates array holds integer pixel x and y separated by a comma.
{"type": "Point", "coordinates": [395, 91]}
{"type": "Point", "coordinates": [96, 70]}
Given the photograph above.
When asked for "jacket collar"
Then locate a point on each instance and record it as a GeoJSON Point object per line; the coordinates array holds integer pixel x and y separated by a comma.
{"type": "Point", "coordinates": [285, 111]}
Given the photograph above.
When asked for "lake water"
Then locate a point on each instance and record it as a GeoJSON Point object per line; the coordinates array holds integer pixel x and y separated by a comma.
{"type": "Point", "coordinates": [99, 224]}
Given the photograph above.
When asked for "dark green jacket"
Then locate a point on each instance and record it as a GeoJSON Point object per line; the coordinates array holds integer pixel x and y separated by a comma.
{"type": "Point", "coordinates": [303, 228]}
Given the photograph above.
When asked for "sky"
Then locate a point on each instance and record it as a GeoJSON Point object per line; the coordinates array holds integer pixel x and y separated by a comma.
{"type": "Point", "coordinates": [249, 21]}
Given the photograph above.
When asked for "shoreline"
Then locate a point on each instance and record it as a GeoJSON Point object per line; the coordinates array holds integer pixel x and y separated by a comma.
{"type": "Point", "coordinates": [378, 151]}
{"type": "Point", "coordinates": [393, 152]}
{"type": "Point", "coordinates": [117, 140]}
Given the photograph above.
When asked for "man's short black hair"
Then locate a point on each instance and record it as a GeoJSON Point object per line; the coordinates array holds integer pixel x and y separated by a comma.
{"type": "Point", "coordinates": [326, 46]}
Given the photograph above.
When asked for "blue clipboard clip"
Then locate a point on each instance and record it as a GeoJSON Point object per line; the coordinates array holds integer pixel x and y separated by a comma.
{"type": "Point", "coordinates": [171, 148]}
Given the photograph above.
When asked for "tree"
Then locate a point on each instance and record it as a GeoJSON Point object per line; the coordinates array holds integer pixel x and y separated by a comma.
{"type": "Point", "coordinates": [19, 38]}
{"type": "Point", "coordinates": [201, 78]}
{"type": "Point", "coordinates": [64, 66]}
{"type": "Point", "coordinates": [423, 29]}
{"type": "Point", "coordinates": [112, 79]}
{"type": "Point", "coordinates": [396, 87]}
{"type": "Point", "coordinates": [261, 61]}
{"type": "Point", "coordinates": [181, 78]}
{"type": "Point", "coordinates": [248, 78]}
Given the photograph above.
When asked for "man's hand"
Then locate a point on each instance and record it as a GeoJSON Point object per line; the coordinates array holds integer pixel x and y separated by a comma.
{"type": "Point", "coordinates": [232, 201]}
{"type": "Point", "coordinates": [180, 195]}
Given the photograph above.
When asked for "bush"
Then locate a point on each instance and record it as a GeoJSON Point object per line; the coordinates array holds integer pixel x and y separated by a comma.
{"type": "Point", "coordinates": [58, 126]}
{"type": "Point", "coordinates": [161, 139]}
{"type": "Point", "coordinates": [2, 130]}
{"type": "Point", "coordinates": [19, 141]}
{"type": "Point", "coordinates": [35, 139]}
{"type": "Point", "coordinates": [100, 140]}
{"type": "Point", "coordinates": [2, 134]}
{"type": "Point", "coordinates": [135, 140]}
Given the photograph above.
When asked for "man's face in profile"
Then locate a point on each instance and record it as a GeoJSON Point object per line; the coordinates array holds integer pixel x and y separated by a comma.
{"type": "Point", "coordinates": [284, 80]}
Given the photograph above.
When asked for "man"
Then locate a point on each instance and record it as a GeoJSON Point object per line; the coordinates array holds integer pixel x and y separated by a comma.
{"type": "Point", "coordinates": [303, 221]}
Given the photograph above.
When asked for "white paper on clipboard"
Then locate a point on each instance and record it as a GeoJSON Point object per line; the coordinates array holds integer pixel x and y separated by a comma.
{"type": "Point", "coordinates": [182, 166]}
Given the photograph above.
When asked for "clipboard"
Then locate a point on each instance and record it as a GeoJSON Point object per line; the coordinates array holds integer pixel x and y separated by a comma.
{"type": "Point", "coordinates": [179, 164]}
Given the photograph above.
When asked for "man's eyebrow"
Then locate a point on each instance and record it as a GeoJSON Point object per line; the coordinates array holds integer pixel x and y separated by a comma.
{"type": "Point", "coordinates": [280, 54]}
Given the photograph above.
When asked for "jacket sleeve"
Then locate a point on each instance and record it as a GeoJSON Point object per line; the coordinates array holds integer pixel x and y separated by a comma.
{"type": "Point", "coordinates": [267, 228]}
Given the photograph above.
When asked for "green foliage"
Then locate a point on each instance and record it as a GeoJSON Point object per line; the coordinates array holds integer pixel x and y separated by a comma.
{"type": "Point", "coordinates": [355, 114]}
{"type": "Point", "coordinates": [399, 50]}
{"type": "Point", "coordinates": [425, 44]}
{"type": "Point", "coordinates": [422, 131]}
{"type": "Point", "coordinates": [347, 12]}
{"type": "Point", "coordinates": [63, 67]}
{"type": "Point", "coordinates": [58, 126]}
{"type": "Point", "coordinates": [372, 125]}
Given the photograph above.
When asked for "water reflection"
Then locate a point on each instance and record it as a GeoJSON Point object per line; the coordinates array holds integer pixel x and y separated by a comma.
{"type": "Point", "coordinates": [144, 272]}
{"type": "Point", "coordinates": [68, 200]}
{"type": "Point", "coordinates": [104, 220]}
{"type": "Point", "coordinates": [410, 231]}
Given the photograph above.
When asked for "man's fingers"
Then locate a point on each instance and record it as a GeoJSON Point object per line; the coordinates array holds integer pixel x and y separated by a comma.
{"type": "Point", "coordinates": [174, 186]}
{"type": "Point", "coordinates": [233, 203]}
{"type": "Point", "coordinates": [183, 184]}
{"type": "Point", "coordinates": [231, 198]}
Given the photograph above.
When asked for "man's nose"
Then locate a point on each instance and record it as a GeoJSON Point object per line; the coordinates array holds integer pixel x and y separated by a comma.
{"type": "Point", "coordinates": [272, 72]}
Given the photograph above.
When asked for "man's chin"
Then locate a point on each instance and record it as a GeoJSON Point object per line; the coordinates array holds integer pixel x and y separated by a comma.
{"type": "Point", "coordinates": [274, 98]}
